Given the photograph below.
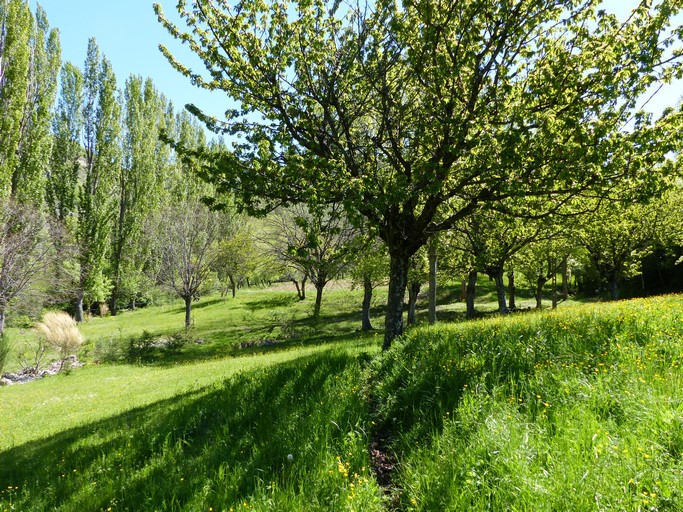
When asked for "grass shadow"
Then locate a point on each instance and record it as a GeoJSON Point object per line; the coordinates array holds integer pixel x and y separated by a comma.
{"type": "Point", "coordinates": [200, 305]}
{"type": "Point", "coordinates": [278, 301]}
{"type": "Point", "coordinates": [210, 447]}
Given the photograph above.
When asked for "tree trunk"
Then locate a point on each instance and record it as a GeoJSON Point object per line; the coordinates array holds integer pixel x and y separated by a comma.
{"type": "Point", "coordinates": [232, 285]}
{"type": "Point", "coordinates": [367, 301]}
{"type": "Point", "coordinates": [565, 279]}
{"type": "Point", "coordinates": [613, 286]}
{"type": "Point", "coordinates": [188, 311]}
{"type": "Point", "coordinates": [319, 286]}
{"type": "Point", "coordinates": [413, 292]}
{"type": "Point", "coordinates": [497, 276]}
{"type": "Point", "coordinates": [471, 291]}
{"type": "Point", "coordinates": [398, 280]}
{"type": "Point", "coordinates": [2, 322]}
{"type": "Point", "coordinates": [300, 288]}
{"type": "Point", "coordinates": [79, 308]}
{"type": "Point", "coordinates": [432, 282]}
{"type": "Point", "coordinates": [512, 291]}
{"type": "Point", "coordinates": [539, 292]}
{"type": "Point", "coordinates": [113, 304]}
{"type": "Point", "coordinates": [554, 281]}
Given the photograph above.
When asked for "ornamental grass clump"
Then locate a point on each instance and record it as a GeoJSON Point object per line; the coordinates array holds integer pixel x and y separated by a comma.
{"type": "Point", "coordinates": [60, 331]}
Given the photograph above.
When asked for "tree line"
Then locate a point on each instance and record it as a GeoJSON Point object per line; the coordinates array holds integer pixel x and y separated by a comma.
{"type": "Point", "coordinates": [86, 181]}
{"type": "Point", "coordinates": [421, 117]}
{"type": "Point", "coordinates": [376, 140]}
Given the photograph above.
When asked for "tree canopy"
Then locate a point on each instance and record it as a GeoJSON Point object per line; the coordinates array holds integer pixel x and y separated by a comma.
{"type": "Point", "coordinates": [416, 114]}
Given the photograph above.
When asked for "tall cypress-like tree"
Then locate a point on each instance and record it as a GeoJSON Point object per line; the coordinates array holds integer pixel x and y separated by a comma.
{"type": "Point", "coordinates": [16, 23]}
{"type": "Point", "coordinates": [67, 127]}
{"type": "Point", "coordinates": [35, 143]}
{"type": "Point", "coordinates": [96, 209]}
{"type": "Point", "coordinates": [137, 184]}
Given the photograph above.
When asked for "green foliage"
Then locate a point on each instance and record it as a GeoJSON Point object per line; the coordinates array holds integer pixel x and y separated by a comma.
{"type": "Point", "coordinates": [416, 116]}
{"type": "Point", "coordinates": [615, 238]}
{"type": "Point", "coordinates": [28, 179]}
{"type": "Point", "coordinates": [138, 186]}
{"type": "Point", "coordinates": [141, 348]}
{"type": "Point", "coordinates": [4, 350]}
{"type": "Point", "coordinates": [67, 125]}
{"type": "Point", "coordinates": [102, 129]}
{"type": "Point", "coordinates": [15, 44]}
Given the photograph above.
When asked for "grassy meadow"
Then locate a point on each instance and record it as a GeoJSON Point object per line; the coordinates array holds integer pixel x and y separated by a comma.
{"type": "Point", "coordinates": [262, 408]}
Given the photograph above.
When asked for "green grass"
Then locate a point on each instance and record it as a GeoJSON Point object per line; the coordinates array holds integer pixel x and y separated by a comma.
{"type": "Point", "coordinates": [222, 447]}
{"type": "Point", "coordinates": [577, 409]}
{"type": "Point", "coordinates": [222, 325]}
{"type": "Point", "coordinates": [51, 405]}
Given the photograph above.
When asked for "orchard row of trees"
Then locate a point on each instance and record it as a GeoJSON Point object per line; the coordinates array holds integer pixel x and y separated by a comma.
{"type": "Point", "coordinates": [421, 116]}
{"type": "Point", "coordinates": [495, 137]}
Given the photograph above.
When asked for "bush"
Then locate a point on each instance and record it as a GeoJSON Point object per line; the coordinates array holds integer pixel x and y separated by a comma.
{"type": "Point", "coordinates": [110, 351]}
{"type": "Point", "coordinates": [178, 340]}
{"type": "Point", "coordinates": [59, 330]}
{"type": "Point", "coordinates": [4, 351]}
{"type": "Point", "coordinates": [142, 348]}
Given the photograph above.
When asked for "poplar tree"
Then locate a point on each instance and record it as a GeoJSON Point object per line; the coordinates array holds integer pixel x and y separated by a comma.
{"type": "Point", "coordinates": [15, 54]}
{"type": "Point", "coordinates": [67, 128]}
{"type": "Point", "coordinates": [35, 143]}
{"type": "Point", "coordinates": [137, 184]}
{"type": "Point", "coordinates": [96, 207]}
{"type": "Point", "coordinates": [416, 114]}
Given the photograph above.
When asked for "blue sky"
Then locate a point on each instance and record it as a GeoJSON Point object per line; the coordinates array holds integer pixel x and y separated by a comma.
{"type": "Point", "coordinates": [128, 33]}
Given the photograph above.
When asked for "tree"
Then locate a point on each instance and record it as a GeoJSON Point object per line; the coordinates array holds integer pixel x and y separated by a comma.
{"type": "Point", "coordinates": [35, 143]}
{"type": "Point", "coordinates": [102, 130]}
{"type": "Point", "coordinates": [432, 263]}
{"type": "Point", "coordinates": [67, 128]}
{"type": "Point", "coordinates": [186, 234]}
{"type": "Point", "coordinates": [25, 249]}
{"type": "Point", "coordinates": [16, 24]}
{"type": "Point", "coordinates": [492, 239]}
{"type": "Point", "coordinates": [137, 182]}
{"type": "Point", "coordinates": [237, 257]}
{"type": "Point", "coordinates": [418, 273]}
{"type": "Point", "coordinates": [316, 242]}
{"type": "Point", "coordinates": [370, 269]}
{"type": "Point", "coordinates": [615, 238]}
{"type": "Point", "coordinates": [541, 260]}
{"type": "Point", "coordinates": [417, 114]}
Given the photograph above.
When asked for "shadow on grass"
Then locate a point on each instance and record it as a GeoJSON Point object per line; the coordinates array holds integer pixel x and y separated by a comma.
{"type": "Point", "coordinates": [271, 302]}
{"type": "Point", "coordinates": [199, 305]}
{"type": "Point", "coordinates": [209, 447]}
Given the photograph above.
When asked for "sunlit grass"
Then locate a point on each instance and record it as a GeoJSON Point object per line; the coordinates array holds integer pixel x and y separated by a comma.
{"type": "Point", "coordinates": [577, 409]}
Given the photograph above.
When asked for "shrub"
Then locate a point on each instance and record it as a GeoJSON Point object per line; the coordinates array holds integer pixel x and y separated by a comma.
{"type": "Point", "coordinates": [178, 340]}
{"type": "Point", "coordinates": [60, 331]}
{"type": "Point", "coordinates": [141, 349]}
{"type": "Point", "coordinates": [4, 351]}
{"type": "Point", "coordinates": [111, 350]}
